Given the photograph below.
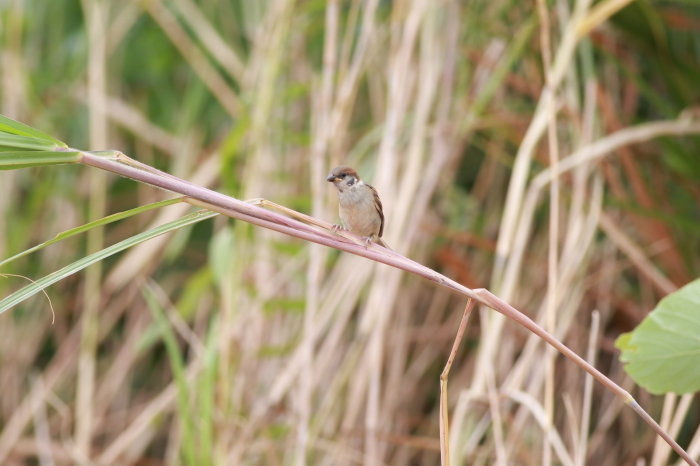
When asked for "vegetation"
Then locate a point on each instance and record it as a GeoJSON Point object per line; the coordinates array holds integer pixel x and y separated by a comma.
{"type": "Point", "coordinates": [228, 344]}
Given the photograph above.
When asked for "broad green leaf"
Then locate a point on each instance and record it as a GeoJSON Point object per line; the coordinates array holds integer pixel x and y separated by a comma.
{"type": "Point", "coordinates": [663, 352]}
{"type": "Point", "coordinates": [30, 290]}
{"type": "Point", "coordinates": [25, 159]}
{"type": "Point", "coordinates": [89, 226]}
{"type": "Point", "coordinates": [8, 125]}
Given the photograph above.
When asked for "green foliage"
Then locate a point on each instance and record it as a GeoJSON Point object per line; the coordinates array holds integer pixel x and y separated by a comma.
{"type": "Point", "coordinates": [22, 146]}
{"type": "Point", "coordinates": [644, 62]}
{"type": "Point", "coordinates": [177, 363]}
{"type": "Point", "coordinates": [84, 228]}
{"type": "Point", "coordinates": [12, 127]}
{"type": "Point", "coordinates": [195, 396]}
{"type": "Point", "coordinates": [13, 160]}
{"type": "Point", "coordinates": [199, 283]}
{"type": "Point", "coordinates": [663, 353]}
{"type": "Point", "coordinates": [30, 290]}
{"type": "Point", "coordinates": [13, 141]}
{"type": "Point", "coordinates": [222, 251]}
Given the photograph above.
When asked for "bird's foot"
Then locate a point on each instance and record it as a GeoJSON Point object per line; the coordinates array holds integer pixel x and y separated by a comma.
{"type": "Point", "coordinates": [367, 240]}
{"type": "Point", "coordinates": [336, 228]}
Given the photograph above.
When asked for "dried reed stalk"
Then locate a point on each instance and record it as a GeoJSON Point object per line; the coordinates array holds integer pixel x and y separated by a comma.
{"type": "Point", "coordinates": [123, 165]}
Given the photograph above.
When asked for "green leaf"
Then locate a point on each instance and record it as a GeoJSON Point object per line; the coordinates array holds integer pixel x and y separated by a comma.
{"type": "Point", "coordinates": [663, 352]}
{"type": "Point", "coordinates": [25, 159]}
{"type": "Point", "coordinates": [26, 142]}
{"type": "Point", "coordinates": [8, 125]}
{"type": "Point", "coordinates": [191, 296]}
{"type": "Point", "coordinates": [206, 392]}
{"type": "Point", "coordinates": [89, 226]}
{"type": "Point", "coordinates": [30, 290]}
{"type": "Point", "coordinates": [222, 250]}
{"type": "Point", "coordinates": [177, 363]}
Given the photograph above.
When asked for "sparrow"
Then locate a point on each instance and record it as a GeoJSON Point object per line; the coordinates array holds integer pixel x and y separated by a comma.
{"type": "Point", "coordinates": [359, 205]}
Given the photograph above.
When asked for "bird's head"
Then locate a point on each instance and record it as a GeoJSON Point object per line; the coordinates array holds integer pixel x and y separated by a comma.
{"type": "Point", "coordinates": [343, 177]}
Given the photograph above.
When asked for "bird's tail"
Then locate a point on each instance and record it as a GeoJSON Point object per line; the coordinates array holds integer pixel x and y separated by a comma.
{"type": "Point", "coordinates": [383, 244]}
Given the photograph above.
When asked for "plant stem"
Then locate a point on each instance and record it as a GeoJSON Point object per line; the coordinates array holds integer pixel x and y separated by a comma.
{"type": "Point", "coordinates": [119, 163]}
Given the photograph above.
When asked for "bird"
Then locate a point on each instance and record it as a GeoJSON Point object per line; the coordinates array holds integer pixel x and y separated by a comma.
{"type": "Point", "coordinates": [359, 205]}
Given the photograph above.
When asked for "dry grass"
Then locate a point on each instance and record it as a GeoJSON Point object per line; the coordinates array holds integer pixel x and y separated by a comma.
{"type": "Point", "coordinates": [228, 344]}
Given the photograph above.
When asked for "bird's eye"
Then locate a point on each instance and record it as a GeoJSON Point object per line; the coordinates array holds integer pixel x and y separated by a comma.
{"type": "Point", "coordinates": [343, 175]}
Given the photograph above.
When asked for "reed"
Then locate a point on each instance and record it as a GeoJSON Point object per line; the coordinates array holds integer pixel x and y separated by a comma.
{"type": "Point", "coordinates": [222, 343]}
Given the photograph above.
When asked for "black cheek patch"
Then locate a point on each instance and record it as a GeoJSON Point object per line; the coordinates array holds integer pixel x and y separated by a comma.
{"type": "Point", "coordinates": [351, 181]}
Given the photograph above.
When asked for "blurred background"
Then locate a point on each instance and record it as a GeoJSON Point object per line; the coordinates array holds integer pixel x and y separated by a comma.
{"type": "Point", "coordinates": [227, 344]}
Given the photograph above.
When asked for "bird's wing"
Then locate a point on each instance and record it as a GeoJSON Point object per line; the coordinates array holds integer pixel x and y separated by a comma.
{"type": "Point", "coordinates": [378, 205]}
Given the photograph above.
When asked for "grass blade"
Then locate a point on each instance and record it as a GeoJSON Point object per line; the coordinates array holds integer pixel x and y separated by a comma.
{"type": "Point", "coordinates": [88, 226]}
{"type": "Point", "coordinates": [8, 125]}
{"type": "Point", "coordinates": [178, 366]}
{"type": "Point", "coordinates": [206, 392]}
{"type": "Point", "coordinates": [15, 141]}
{"type": "Point", "coordinates": [26, 159]}
{"type": "Point", "coordinates": [30, 290]}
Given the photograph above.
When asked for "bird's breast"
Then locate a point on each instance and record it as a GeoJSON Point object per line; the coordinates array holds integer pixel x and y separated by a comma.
{"type": "Point", "coordinates": [359, 213]}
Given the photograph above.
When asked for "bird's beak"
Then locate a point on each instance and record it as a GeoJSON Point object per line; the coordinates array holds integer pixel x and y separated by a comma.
{"type": "Point", "coordinates": [332, 178]}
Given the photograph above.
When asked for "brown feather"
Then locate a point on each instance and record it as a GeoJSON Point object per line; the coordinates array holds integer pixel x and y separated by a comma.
{"type": "Point", "coordinates": [378, 205]}
{"type": "Point", "coordinates": [344, 169]}
{"type": "Point", "coordinates": [361, 211]}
